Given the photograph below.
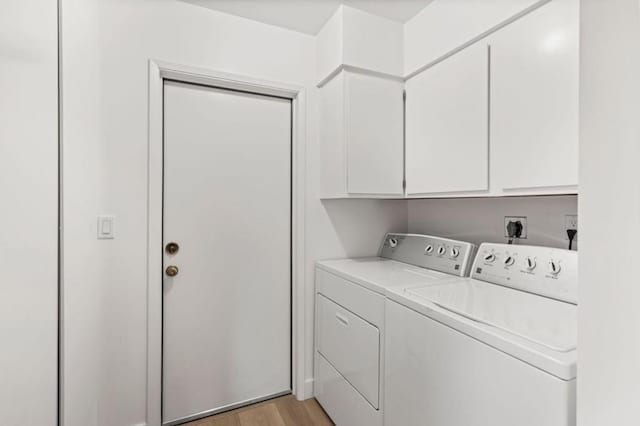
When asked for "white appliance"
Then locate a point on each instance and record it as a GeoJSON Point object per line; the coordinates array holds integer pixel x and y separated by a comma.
{"type": "Point", "coordinates": [350, 329]}
{"type": "Point", "coordinates": [497, 349]}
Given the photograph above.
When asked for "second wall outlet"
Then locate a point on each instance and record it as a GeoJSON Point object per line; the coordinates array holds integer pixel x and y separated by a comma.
{"type": "Point", "coordinates": [571, 222]}
{"type": "Point", "coordinates": [521, 219]}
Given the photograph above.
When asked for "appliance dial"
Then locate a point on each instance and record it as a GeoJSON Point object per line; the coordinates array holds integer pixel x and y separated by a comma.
{"type": "Point", "coordinates": [530, 263]}
{"type": "Point", "coordinates": [489, 257]}
{"type": "Point", "coordinates": [428, 249]}
{"type": "Point", "coordinates": [393, 242]}
{"type": "Point", "coordinates": [509, 260]}
{"type": "Point", "coordinates": [441, 250]}
{"type": "Point", "coordinates": [455, 252]}
{"type": "Point", "coordinates": [554, 267]}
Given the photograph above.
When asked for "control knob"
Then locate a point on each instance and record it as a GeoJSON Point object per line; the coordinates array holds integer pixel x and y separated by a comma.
{"type": "Point", "coordinates": [489, 257]}
{"type": "Point", "coordinates": [429, 249]}
{"type": "Point", "coordinates": [530, 263]}
{"type": "Point", "coordinates": [509, 260]}
{"type": "Point", "coordinates": [393, 242]}
{"type": "Point", "coordinates": [455, 252]}
{"type": "Point", "coordinates": [441, 250]}
{"type": "Point", "coordinates": [554, 267]}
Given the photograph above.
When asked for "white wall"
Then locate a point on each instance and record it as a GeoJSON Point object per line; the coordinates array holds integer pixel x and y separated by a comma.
{"type": "Point", "coordinates": [106, 46]}
{"type": "Point", "coordinates": [480, 220]}
{"type": "Point", "coordinates": [372, 42]}
{"type": "Point", "coordinates": [29, 194]}
{"type": "Point", "coordinates": [609, 314]}
{"type": "Point", "coordinates": [329, 45]}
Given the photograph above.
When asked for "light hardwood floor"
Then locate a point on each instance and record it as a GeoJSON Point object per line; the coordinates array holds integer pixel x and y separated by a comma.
{"type": "Point", "coordinates": [284, 411]}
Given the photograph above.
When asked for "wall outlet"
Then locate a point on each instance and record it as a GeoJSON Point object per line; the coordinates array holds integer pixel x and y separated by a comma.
{"type": "Point", "coordinates": [571, 222]}
{"type": "Point", "coordinates": [521, 219]}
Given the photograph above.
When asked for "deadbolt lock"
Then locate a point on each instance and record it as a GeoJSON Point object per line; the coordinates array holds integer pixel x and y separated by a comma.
{"type": "Point", "coordinates": [172, 248]}
{"type": "Point", "coordinates": [172, 270]}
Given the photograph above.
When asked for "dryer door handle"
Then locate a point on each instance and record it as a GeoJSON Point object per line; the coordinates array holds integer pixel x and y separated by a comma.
{"type": "Point", "coordinates": [344, 320]}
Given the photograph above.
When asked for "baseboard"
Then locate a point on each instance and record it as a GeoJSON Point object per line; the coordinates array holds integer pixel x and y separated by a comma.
{"type": "Point", "coordinates": [306, 392]}
{"type": "Point", "coordinates": [308, 388]}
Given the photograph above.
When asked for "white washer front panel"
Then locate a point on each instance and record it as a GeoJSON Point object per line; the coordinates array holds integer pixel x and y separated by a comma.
{"type": "Point", "coordinates": [559, 364]}
{"type": "Point", "coordinates": [437, 376]}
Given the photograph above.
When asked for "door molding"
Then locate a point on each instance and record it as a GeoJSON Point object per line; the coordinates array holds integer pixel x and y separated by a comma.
{"type": "Point", "coordinates": [158, 72]}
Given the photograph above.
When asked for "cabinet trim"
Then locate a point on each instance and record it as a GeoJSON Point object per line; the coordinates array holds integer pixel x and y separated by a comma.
{"type": "Point", "coordinates": [535, 192]}
{"type": "Point", "coordinates": [357, 70]}
{"type": "Point", "coordinates": [477, 38]}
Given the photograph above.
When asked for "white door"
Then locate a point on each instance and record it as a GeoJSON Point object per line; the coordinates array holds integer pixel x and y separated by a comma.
{"type": "Point", "coordinates": [447, 123]}
{"type": "Point", "coordinates": [227, 205]}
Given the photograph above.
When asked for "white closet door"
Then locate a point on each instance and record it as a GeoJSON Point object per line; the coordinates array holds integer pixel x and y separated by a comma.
{"type": "Point", "coordinates": [447, 125]}
{"type": "Point", "coordinates": [29, 212]}
{"type": "Point", "coordinates": [227, 204]}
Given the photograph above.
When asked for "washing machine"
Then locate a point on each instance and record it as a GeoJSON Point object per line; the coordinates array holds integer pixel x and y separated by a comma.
{"type": "Point", "coordinates": [496, 349]}
{"type": "Point", "coordinates": [350, 318]}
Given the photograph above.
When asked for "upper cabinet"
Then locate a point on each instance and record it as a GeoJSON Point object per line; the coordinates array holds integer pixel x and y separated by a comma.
{"type": "Point", "coordinates": [494, 112]}
{"type": "Point", "coordinates": [534, 100]}
{"type": "Point", "coordinates": [361, 134]}
{"type": "Point", "coordinates": [359, 60]}
{"type": "Point", "coordinates": [447, 116]}
{"type": "Point", "coordinates": [499, 117]}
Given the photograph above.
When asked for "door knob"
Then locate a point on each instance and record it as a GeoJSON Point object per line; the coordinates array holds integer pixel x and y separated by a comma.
{"type": "Point", "coordinates": [172, 270]}
{"type": "Point", "coordinates": [172, 248]}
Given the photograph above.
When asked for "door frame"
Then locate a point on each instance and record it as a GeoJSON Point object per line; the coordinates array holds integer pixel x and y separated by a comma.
{"type": "Point", "coordinates": [158, 72]}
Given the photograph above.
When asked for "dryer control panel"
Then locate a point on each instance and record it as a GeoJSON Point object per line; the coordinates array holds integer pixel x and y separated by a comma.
{"type": "Point", "coordinates": [426, 251]}
{"type": "Point", "coordinates": [545, 271]}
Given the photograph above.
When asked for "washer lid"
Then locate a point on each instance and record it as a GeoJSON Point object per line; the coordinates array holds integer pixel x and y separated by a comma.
{"type": "Point", "coordinates": [547, 322]}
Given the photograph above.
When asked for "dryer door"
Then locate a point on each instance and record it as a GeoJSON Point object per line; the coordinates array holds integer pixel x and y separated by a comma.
{"type": "Point", "coordinates": [352, 346]}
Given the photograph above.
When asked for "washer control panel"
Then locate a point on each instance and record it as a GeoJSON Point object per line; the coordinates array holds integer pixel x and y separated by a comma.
{"type": "Point", "coordinates": [426, 251]}
{"type": "Point", "coordinates": [545, 271]}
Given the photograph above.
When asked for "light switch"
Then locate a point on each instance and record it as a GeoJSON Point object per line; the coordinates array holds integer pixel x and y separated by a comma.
{"type": "Point", "coordinates": [106, 227]}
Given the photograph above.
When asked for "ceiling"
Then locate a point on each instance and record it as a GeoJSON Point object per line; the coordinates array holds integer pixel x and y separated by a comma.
{"type": "Point", "coordinates": [308, 16]}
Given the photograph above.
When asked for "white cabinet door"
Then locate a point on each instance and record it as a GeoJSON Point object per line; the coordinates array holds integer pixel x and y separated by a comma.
{"type": "Point", "coordinates": [333, 178]}
{"type": "Point", "coordinates": [373, 123]}
{"type": "Point", "coordinates": [534, 99]}
{"type": "Point", "coordinates": [361, 136]}
{"type": "Point", "coordinates": [447, 125]}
